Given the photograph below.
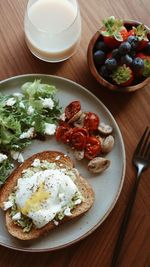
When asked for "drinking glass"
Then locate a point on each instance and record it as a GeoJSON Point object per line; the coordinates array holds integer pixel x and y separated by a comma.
{"type": "Point", "coordinates": [52, 28]}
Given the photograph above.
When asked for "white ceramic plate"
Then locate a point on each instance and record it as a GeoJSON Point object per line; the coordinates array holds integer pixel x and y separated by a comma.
{"type": "Point", "coordinates": [107, 186]}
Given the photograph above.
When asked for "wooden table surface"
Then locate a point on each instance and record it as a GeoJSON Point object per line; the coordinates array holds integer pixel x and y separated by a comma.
{"type": "Point", "coordinates": [132, 114]}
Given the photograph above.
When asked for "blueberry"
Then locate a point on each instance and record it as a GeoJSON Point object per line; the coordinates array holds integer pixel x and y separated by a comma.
{"type": "Point", "coordinates": [134, 45]}
{"type": "Point", "coordinates": [124, 48]}
{"type": "Point", "coordinates": [115, 54]}
{"type": "Point", "coordinates": [111, 63]}
{"type": "Point", "coordinates": [126, 60]}
{"type": "Point", "coordinates": [131, 38]}
{"type": "Point", "coordinates": [104, 72]}
{"type": "Point", "coordinates": [99, 57]}
{"type": "Point", "coordinates": [100, 46]}
{"type": "Point", "coordinates": [147, 49]}
{"type": "Point", "coordinates": [132, 53]}
{"type": "Point", "coordinates": [137, 64]}
{"type": "Point", "coordinates": [134, 41]}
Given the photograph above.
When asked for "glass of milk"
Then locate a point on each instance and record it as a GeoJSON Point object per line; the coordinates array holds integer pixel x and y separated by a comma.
{"type": "Point", "coordinates": [52, 28]}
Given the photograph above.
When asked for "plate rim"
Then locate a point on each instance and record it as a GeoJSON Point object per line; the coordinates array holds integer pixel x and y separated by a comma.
{"type": "Point", "coordinates": [122, 176]}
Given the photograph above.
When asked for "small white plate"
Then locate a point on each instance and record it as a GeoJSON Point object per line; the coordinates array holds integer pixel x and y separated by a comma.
{"type": "Point", "coordinates": [107, 186]}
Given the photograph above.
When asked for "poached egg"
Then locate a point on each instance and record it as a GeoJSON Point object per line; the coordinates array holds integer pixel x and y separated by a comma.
{"type": "Point", "coordinates": [45, 193]}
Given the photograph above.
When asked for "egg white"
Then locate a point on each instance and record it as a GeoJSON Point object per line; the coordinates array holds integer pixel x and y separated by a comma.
{"type": "Point", "coordinates": [57, 183]}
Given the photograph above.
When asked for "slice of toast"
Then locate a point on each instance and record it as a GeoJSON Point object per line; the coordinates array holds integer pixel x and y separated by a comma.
{"type": "Point", "coordinates": [83, 186]}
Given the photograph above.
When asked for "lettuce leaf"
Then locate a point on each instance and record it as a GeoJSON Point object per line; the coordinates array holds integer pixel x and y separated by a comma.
{"type": "Point", "coordinates": [15, 119]}
{"type": "Point", "coordinates": [36, 89]}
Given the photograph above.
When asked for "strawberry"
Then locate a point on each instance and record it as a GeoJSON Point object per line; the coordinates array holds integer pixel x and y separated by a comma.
{"type": "Point", "coordinates": [114, 32]}
{"type": "Point", "coordinates": [146, 59]}
{"type": "Point", "coordinates": [141, 32]}
{"type": "Point", "coordinates": [124, 34]}
{"type": "Point", "coordinates": [143, 56]}
{"type": "Point", "coordinates": [123, 76]}
{"type": "Point", "coordinates": [111, 42]}
{"type": "Point", "coordinates": [131, 32]}
{"type": "Point", "coordinates": [142, 45]}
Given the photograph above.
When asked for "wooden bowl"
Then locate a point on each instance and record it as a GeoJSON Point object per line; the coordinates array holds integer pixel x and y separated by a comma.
{"type": "Point", "coordinates": [98, 77]}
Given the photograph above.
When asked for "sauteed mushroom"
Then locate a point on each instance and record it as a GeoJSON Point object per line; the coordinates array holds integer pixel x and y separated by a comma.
{"type": "Point", "coordinates": [80, 122]}
{"type": "Point", "coordinates": [98, 164]}
{"type": "Point", "coordinates": [101, 139]}
{"type": "Point", "coordinates": [107, 144]}
{"type": "Point", "coordinates": [105, 129]}
{"type": "Point", "coordinates": [75, 117]}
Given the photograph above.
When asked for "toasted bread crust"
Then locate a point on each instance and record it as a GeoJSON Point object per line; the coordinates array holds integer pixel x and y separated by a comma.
{"type": "Point", "coordinates": [83, 186]}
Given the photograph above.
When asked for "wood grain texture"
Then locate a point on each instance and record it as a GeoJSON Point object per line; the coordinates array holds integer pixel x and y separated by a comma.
{"type": "Point", "coordinates": [132, 113]}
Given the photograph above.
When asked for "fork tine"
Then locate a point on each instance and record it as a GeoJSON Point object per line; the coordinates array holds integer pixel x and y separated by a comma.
{"type": "Point", "coordinates": [137, 150]}
{"type": "Point", "coordinates": [144, 145]}
{"type": "Point", "coordinates": [147, 152]}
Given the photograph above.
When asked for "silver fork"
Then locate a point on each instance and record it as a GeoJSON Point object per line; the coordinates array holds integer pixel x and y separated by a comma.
{"type": "Point", "coordinates": [141, 160]}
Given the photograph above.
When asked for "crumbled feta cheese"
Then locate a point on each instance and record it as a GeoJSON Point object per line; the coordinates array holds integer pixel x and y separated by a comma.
{"type": "Point", "coordinates": [21, 105]}
{"type": "Point", "coordinates": [36, 163]}
{"type": "Point", "coordinates": [62, 117]}
{"type": "Point", "coordinates": [67, 212]}
{"type": "Point", "coordinates": [7, 205]}
{"type": "Point", "coordinates": [20, 158]}
{"type": "Point", "coordinates": [18, 95]}
{"type": "Point", "coordinates": [78, 201]}
{"type": "Point", "coordinates": [30, 110]}
{"type": "Point", "coordinates": [28, 134]}
{"type": "Point", "coordinates": [50, 128]}
{"type": "Point", "coordinates": [17, 216]}
{"type": "Point", "coordinates": [2, 157]}
{"type": "Point", "coordinates": [57, 158]}
{"type": "Point", "coordinates": [10, 102]}
{"type": "Point", "coordinates": [47, 103]}
{"type": "Point", "coordinates": [55, 222]}
{"type": "Point", "coordinates": [16, 155]}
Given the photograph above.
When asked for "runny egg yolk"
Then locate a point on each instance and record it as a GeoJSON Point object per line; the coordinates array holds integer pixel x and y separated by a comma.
{"type": "Point", "coordinates": [33, 203]}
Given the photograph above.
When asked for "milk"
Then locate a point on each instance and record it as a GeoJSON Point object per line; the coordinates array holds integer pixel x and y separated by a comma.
{"type": "Point", "coordinates": [52, 28]}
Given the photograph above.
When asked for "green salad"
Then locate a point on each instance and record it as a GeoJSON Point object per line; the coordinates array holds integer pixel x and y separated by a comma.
{"type": "Point", "coordinates": [32, 113]}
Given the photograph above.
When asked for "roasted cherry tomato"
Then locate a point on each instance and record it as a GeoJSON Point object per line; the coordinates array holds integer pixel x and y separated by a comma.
{"type": "Point", "coordinates": [93, 147]}
{"type": "Point", "coordinates": [61, 130]}
{"type": "Point", "coordinates": [66, 137]}
{"type": "Point", "coordinates": [79, 138]}
{"type": "Point", "coordinates": [73, 108]}
{"type": "Point", "coordinates": [91, 121]}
